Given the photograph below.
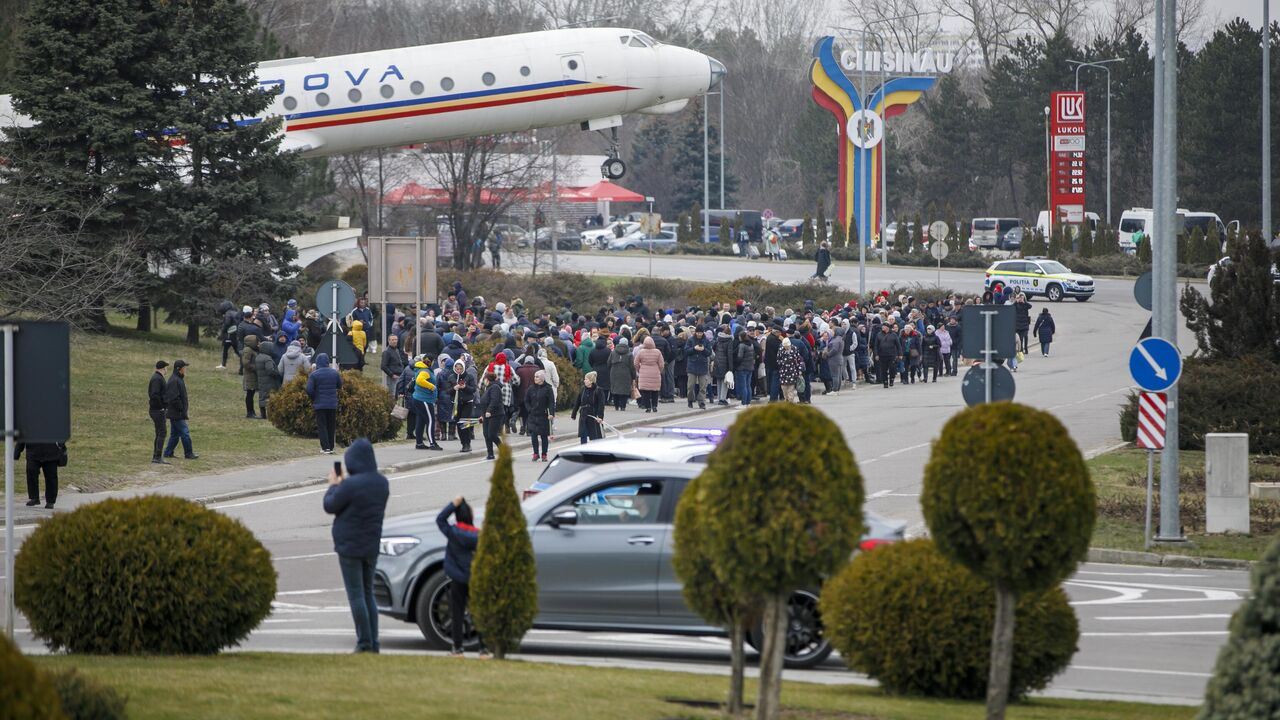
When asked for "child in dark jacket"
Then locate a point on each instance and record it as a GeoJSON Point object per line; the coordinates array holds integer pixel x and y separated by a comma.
{"type": "Point", "coordinates": [462, 539]}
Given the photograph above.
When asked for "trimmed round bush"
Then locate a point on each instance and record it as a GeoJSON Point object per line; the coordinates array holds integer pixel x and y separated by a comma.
{"type": "Point", "coordinates": [921, 625]}
{"type": "Point", "coordinates": [152, 574]}
{"type": "Point", "coordinates": [364, 409]}
{"type": "Point", "coordinates": [84, 698]}
{"type": "Point", "coordinates": [25, 692]}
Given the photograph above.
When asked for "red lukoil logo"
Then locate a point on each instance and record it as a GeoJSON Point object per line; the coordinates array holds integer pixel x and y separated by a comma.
{"type": "Point", "coordinates": [1070, 107]}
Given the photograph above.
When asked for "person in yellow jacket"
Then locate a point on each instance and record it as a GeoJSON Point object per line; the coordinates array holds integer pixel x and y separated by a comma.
{"type": "Point", "coordinates": [359, 340]}
{"type": "Point", "coordinates": [424, 405]}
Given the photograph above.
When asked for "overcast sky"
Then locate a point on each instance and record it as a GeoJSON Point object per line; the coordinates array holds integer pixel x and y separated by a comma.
{"type": "Point", "coordinates": [1250, 10]}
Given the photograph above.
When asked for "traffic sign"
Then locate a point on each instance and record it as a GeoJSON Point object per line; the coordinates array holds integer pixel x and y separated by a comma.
{"type": "Point", "coordinates": [1152, 407]}
{"type": "Point", "coordinates": [1142, 290]}
{"type": "Point", "coordinates": [974, 385]}
{"type": "Point", "coordinates": [939, 230]}
{"type": "Point", "coordinates": [1155, 364]}
{"type": "Point", "coordinates": [325, 304]}
{"type": "Point", "coordinates": [939, 250]}
{"type": "Point", "coordinates": [973, 320]}
{"type": "Point", "coordinates": [767, 215]}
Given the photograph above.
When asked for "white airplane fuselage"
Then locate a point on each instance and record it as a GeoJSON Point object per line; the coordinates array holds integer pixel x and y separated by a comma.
{"type": "Point", "coordinates": [503, 84]}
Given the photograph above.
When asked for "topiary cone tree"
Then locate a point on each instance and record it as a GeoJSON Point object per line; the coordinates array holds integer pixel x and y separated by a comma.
{"type": "Point", "coordinates": [705, 592]}
{"type": "Point", "coordinates": [504, 588]}
{"type": "Point", "coordinates": [1244, 680]}
{"type": "Point", "coordinates": [1007, 495]}
{"type": "Point", "coordinates": [776, 520]}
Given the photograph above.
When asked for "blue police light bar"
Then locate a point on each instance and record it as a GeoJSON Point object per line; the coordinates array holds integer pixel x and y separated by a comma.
{"type": "Point", "coordinates": [710, 434]}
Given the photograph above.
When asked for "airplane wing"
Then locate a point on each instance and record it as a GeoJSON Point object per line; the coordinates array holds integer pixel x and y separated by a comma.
{"type": "Point", "coordinates": [302, 142]}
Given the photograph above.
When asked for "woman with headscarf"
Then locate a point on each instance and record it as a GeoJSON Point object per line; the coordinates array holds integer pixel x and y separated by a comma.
{"type": "Point", "coordinates": [790, 370]}
{"type": "Point", "coordinates": [492, 411]}
{"type": "Point", "coordinates": [540, 413]}
{"type": "Point", "coordinates": [588, 410]}
{"type": "Point", "coordinates": [459, 386]}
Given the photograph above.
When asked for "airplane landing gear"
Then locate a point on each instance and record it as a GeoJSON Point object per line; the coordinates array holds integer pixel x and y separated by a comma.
{"type": "Point", "coordinates": [613, 168]}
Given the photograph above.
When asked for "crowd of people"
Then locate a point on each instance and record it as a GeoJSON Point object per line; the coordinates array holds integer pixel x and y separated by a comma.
{"type": "Point", "coordinates": [627, 352]}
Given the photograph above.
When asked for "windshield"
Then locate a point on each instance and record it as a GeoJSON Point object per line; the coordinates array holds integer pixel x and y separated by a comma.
{"type": "Point", "coordinates": [1007, 225]}
{"type": "Point", "coordinates": [568, 464]}
{"type": "Point", "coordinates": [984, 224]}
{"type": "Point", "coordinates": [1052, 267]}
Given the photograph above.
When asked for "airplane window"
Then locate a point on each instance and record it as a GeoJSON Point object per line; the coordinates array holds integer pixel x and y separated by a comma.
{"type": "Point", "coordinates": [290, 104]}
{"type": "Point", "coordinates": [573, 64]}
{"type": "Point", "coordinates": [649, 41]}
{"type": "Point", "coordinates": [322, 99]}
{"type": "Point", "coordinates": [637, 42]}
{"type": "Point", "coordinates": [446, 84]}
{"type": "Point", "coordinates": [415, 87]}
{"type": "Point", "coordinates": [353, 95]}
{"type": "Point", "coordinates": [524, 70]}
{"type": "Point", "coordinates": [487, 78]}
{"type": "Point", "coordinates": [387, 91]}
{"type": "Point", "coordinates": [625, 39]}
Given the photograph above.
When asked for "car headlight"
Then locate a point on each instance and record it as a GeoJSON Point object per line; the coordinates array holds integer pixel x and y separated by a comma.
{"type": "Point", "coordinates": [398, 545]}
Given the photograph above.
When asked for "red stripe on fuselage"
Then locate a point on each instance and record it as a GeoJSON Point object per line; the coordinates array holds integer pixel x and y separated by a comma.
{"type": "Point", "coordinates": [437, 110]}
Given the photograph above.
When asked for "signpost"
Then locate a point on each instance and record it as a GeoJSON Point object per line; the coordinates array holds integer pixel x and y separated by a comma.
{"type": "Point", "coordinates": [403, 272]}
{"type": "Point", "coordinates": [37, 409]}
{"type": "Point", "coordinates": [1067, 128]}
{"type": "Point", "coordinates": [1155, 364]}
{"type": "Point", "coordinates": [1152, 409]}
{"type": "Point", "coordinates": [334, 299]}
{"type": "Point", "coordinates": [995, 342]}
{"type": "Point", "coordinates": [939, 249]}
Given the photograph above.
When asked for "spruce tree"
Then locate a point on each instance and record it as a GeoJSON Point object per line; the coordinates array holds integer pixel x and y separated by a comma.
{"type": "Point", "coordinates": [1211, 249]}
{"type": "Point", "coordinates": [953, 232]}
{"type": "Point", "coordinates": [1243, 317]}
{"type": "Point", "coordinates": [726, 232]}
{"type": "Point", "coordinates": [684, 230]}
{"type": "Point", "coordinates": [917, 237]}
{"type": "Point", "coordinates": [1084, 241]}
{"type": "Point", "coordinates": [687, 188]}
{"type": "Point", "coordinates": [820, 226]}
{"type": "Point", "coordinates": [737, 230]}
{"type": "Point", "coordinates": [504, 589]}
{"type": "Point", "coordinates": [233, 200]}
{"type": "Point", "coordinates": [807, 236]}
{"type": "Point", "coordinates": [1243, 686]}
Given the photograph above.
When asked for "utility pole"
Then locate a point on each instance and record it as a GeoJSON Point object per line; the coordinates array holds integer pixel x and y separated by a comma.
{"type": "Point", "coordinates": [1164, 250]}
{"type": "Point", "coordinates": [720, 92]}
{"type": "Point", "coordinates": [1266, 121]}
{"type": "Point", "coordinates": [706, 179]}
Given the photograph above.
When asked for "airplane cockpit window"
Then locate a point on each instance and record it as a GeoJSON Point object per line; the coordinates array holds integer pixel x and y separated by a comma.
{"type": "Point", "coordinates": [636, 42]}
{"type": "Point", "coordinates": [648, 41]}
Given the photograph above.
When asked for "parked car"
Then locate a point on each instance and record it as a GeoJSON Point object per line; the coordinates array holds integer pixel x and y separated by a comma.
{"type": "Point", "coordinates": [602, 541]}
{"type": "Point", "coordinates": [595, 236]}
{"type": "Point", "coordinates": [993, 233]}
{"type": "Point", "coordinates": [640, 241]}
{"type": "Point", "coordinates": [512, 235]}
{"type": "Point", "coordinates": [1226, 262]}
{"type": "Point", "coordinates": [891, 232]}
{"type": "Point", "coordinates": [565, 240]}
{"type": "Point", "coordinates": [667, 444]}
{"type": "Point", "coordinates": [791, 230]}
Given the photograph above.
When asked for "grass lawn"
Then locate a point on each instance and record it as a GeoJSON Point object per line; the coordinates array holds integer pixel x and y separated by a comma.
{"type": "Point", "coordinates": [279, 686]}
{"type": "Point", "coordinates": [111, 433]}
{"type": "Point", "coordinates": [1121, 479]}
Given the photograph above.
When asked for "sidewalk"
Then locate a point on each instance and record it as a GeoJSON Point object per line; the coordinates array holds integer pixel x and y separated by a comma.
{"type": "Point", "coordinates": [393, 457]}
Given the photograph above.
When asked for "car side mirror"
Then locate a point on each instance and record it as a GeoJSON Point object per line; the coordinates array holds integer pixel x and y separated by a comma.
{"type": "Point", "coordinates": [564, 515]}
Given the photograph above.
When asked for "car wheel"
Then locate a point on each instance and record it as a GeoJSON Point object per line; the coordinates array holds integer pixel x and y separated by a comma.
{"type": "Point", "coordinates": [1054, 293]}
{"type": "Point", "coordinates": [805, 645]}
{"type": "Point", "coordinates": [435, 615]}
{"type": "Point", "coordinates": [1082, 298]}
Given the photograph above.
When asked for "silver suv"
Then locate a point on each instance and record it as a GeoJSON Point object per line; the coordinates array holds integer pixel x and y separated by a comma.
{"type": "Point", "coordinates": [603, 543]}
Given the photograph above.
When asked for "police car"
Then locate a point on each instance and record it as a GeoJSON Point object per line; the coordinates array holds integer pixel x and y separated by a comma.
{"type": "Point", "coordinates": [1039, 276]}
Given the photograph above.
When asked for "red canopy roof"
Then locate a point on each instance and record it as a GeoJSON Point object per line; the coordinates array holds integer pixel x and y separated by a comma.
{"type": "Point", "coordinates": [605, 190]}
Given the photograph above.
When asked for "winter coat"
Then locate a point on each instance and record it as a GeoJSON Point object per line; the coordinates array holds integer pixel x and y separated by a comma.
{"type": "Point", "coordinates": [315, 331]}
{"type": "Point", "coordinates": [155, 393]}
{"type": "Point", "coordinates": [745, 357]}
{"type": "Point", "coordinates": [622, 372]}
{"type": "Point", "coordinates": [944, 340]}
{"type": "Point", "coordinates": [266, 370]}
{"type": "Point", "coordinates": [823, 260]}
{"type": "Point", "coordinates": [393, 361]}
{"type": "Point", "coordinates": [248, 363]}
{"type": "Point", "coordinates": [911, 350]}
{"type": "Point", "coordinates": [599, 362]}
{"type": "Point", "coordinates": [247, 328]}
{"type": "Point", "coordinates": [424, 384]}
{"type": "Point", "coordinates": [591, 401]}
{"type": "Point", "coordinates": [466, 397]}
{"type": "Point", "coordinates": [889, 345]}
{"type": "Point", "coordinates": [525, 371]}
{"type": "Point", "coordinates": [290, 326]}
{"type": "Point", "coordinates": [698, 361]}
{"type": "Point", "coordinates": [957, 337]}
{"type": "Point", "coordinates": [833, 353]}
{"type": "Point", "coordinates": [582, 359]}
{"type": "Point", "coordinates": [491, 402]}
{"type": "Point", "coordinates": [790, 366]}
{"type": "Point", "coordinates": [1022, 315]}
{"type": "Point", "coordinates": [931, 348]}
{"type": "Point", "coordinates": [430, 343]}
{"type": "Point", "coordinates": [1045, 327]}
{"type": "Point", "coordinates": [230, 320]}
{"type": "Point", "coordinates": [175, 397]}
{"type": "Point", "coordinates": [649, 365]}
{"type": "Point", "coordinates": [540, 403]}
{"type": "Point", "coordinates": [460, 549]}
{"type": "Point", "coordinates": [359, 338]}
{"type": "Point", "coordinates": [359, 503]}
{"type": "Point", "coordinates": [323, 385]}
{"type": "Point", "coordinates": [553, 373]}
{"type": "Point", "coordinates": [724, 354]}
{"type": "Point", "coordinates": [292, 362]}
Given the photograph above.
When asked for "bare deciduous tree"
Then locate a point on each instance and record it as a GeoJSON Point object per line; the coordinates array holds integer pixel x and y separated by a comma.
{"type": "Point", "coordinates": [992, 23]}
{"type": "Point", "coordinates": [907, 25]}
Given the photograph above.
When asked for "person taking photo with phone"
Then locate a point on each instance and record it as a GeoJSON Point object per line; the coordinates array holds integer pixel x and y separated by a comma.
{"type": "Point", "coordinates": [358, 502]}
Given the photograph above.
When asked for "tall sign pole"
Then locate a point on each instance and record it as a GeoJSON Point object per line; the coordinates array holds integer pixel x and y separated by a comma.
{"type": "Point", "coordinates": [1266, 121]}
{"type": "Point", "coordinates": [10, 429]}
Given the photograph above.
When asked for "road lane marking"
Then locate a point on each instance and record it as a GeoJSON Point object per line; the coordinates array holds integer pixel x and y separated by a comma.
{"type": "Point", "coordinates": [1141, 574]}
{"type": "Point", "coordinates": [1180, 673]}
{"type": "Point", "coordinates": [878, 494]}
{"type": "Point", "coordinates": [304, 557]}
{"type": "Point", "coordinates": [269, 499]}
{"type": "Point", "coordinates": [309, 592]}
{"type": "Point", "coordinates": [1130, 592]}
{"type": "Point", "coordinates": [899, 451]}
{"type": "Point", "coordinates": [1201, 616]}
{"type": "Point", "coordinates": [1169, 633]}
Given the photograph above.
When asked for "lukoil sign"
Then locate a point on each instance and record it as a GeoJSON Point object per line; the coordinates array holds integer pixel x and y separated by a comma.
{"type": "Point", "coordinates": [923, 62]}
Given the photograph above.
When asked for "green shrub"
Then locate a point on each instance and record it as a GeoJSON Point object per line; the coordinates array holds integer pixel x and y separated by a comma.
{"type": "Point", "coordinates": [1243, 686]}
{"type": "Point", "coordinates": [364, 409]}
{"type": "Point", "coordinates": [1236, 395]}
{"type": "Point", "coordinates": [84, 698]}
{"type": "Point", "coordinates": [504, 588]}
{"type": "Point", "coordinates": [151, 574]}
{"type": "Point", "coordinates": [25, 692]}
{"type": "Point", "coordinates": [921, 625]}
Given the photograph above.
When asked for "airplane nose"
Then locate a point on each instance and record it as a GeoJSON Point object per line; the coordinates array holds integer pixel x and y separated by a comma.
{"type": "Point", "coordinates": [718, 72]}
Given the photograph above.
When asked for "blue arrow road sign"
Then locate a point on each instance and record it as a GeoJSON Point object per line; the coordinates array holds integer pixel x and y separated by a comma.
{"type": "Point", "coordinates": [1155, 364]}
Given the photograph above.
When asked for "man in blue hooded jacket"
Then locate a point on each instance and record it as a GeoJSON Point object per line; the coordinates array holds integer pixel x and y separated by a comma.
{"type": "Point", "coordinates": [359, 502]}
{"type": "Point", "coordinates": [322, 387]}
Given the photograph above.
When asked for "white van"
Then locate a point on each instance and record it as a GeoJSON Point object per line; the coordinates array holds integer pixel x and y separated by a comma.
{"type": "Point", "coordinates": [1142, 220]}
{"type": "Point", "coordinates": [1042, 222]}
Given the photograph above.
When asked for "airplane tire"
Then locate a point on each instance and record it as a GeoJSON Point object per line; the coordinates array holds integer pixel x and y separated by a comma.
{"type": "Point", "coordinates": [613, 168]}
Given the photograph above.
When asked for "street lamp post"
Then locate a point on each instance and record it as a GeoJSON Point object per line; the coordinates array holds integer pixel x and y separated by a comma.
{"type": "Point", "coordinates": [647, 225]}
{"type": "Point", "coordinates": [1101, 65]}
{"type": "Point", "coordinates": [1266, 121]}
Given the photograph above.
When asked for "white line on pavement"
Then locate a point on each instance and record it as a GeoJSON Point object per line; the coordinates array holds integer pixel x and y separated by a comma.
{"type": "Point", "coordinates": [899, 451]}
{"type": "Point", "coordinates": [878, 494]}
{"type": "Point", "coordinates": [273, 498]}
{"type": "Point", "coordinates": [305, 557]}
{"type": "Point", "coordinates": [309, 592]}
{"type": "Point", "coordinates": [1139, 671]}
{"type": "Point", "coordinates": [1201, 616]}
{"type": "Point", "coordinates": [1171, 633]}
{"type": "Point", "coordinates": [1141, 574]}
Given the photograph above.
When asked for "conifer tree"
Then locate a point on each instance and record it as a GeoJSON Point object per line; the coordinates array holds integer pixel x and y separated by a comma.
{"type": "Point", "coordinates": [917, 237]}
{"type": "Point", "coordinates": [696, 220]}
{"type": "Point", "coordinates": [838, 237]}
{"type": "Point", "coordinates": [1243, 683]}
{"type": "Point", "coordinates": [807, 236]}
{"type": "Point", "coordinates": [1244, 317]}
{"type": "Point", "coordinates": [504, 589]}
{"type": "Point", "coordinates": [820, 225]}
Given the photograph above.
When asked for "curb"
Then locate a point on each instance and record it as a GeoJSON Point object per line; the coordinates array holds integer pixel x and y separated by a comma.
{"type": "Point", "coordinates": [1134, 557]}
{"type": "Point", "coordinates": [417, 464]}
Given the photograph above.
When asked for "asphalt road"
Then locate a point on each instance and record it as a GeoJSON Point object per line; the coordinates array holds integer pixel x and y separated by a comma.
{"type": "Point", "coordinates": [1149, 633]}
